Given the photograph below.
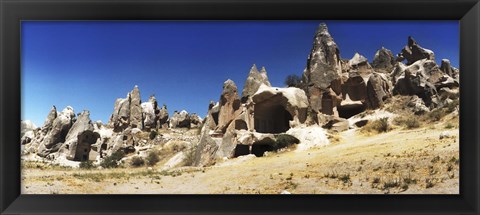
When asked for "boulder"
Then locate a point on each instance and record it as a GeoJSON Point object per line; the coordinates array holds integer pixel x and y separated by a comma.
{"type": "Point", "coordinates": [229, 105]}
{"type": "Point", "coordinates": [310, 137]}
{"type": "Point", "coordinates": [378, 90]}
{"type": "Point", "coordinates": [195, 120]}
{"type": "Point", "coordinates": [383, 61]}
{"type": "Point", "coordinates": [417, 105]}
{"type": "Point", "coordinates": [149, 111]}
{"type": "Point", "coordinates": [413, 52]}
{"type": "Point", "coordinates": [135, 109]}
{"type": "Point", "coordinates": [206, 149]}
{"type": "Point", "coordinates": [56, 136]}
{"type": "Point", "coordinates": [80, 138]}
{"type": "Point", "coordinates": [253, 82]}
{"type": "Point", "coordinates": [180, 120]}
{"type": "Point", "coordinates": [448, 69]}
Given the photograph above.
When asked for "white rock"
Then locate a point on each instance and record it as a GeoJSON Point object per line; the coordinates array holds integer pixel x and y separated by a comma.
{"type": "Point", "coordinates": [310, 137]}
{"type": "Point", "coordinates": [285, 192]}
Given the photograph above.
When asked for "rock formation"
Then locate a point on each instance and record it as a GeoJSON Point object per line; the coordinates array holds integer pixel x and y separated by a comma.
{"type": "Point", "coordinates": [180, 120]}
{"type": "Point", "coordinates": [378, 90]}
{"type": "Point", "coordinates": [229, 104]}
{"type": "Point", "coordinates": [135, 109]}
{"type": "Point", "coordinates": [413, 52]}
{"type": "Point", "coordinates": [253, 82]}
{"type": "Point", "coordinates": [58, 132]}
{"type": "Point", "coordinates": [383, 61]}
{"type": "Point", "coordinates": [80, 138]}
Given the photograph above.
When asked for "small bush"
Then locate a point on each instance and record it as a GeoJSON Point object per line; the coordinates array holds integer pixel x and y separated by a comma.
{"type": "Point", "coordinates": [86, 165]}
{"type": "Point", "coordinates": [407, 121]}
{"type": "Point", "coordinates": [293, 81]}
{"type": "Point", "coordinates": [284, 140]}
{"type": "Point", "coordinates": [449, 126]}
{"type": "Point", "coordinates": [436, 115]}
{"type": "Point", "coordinates": [112, 160]}
{"type": "Point", "coordinates": [137, 161]}
{"type": "Point", "coordinates": [152, 134]}
{"type": "Point", "coordinates": [152, 158]}
{"type": "Point", "coordinates": [379, 126]}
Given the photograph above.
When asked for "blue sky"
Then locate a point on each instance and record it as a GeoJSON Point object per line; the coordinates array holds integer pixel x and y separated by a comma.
{"type": "Point", "coordinates": [88, 64]}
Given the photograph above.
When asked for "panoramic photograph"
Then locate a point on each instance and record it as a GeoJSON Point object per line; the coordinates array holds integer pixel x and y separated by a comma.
{"type": "Point", "coordinates": [240, 107]}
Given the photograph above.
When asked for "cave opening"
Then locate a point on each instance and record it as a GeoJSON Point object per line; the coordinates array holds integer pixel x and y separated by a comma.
{"type": "Point", "coordinates": [347, 111]}
{"type": "Point", "coordinates": [84, 145]}
{"type": "Point", "coordinates": [259, 149]}
{"type": "Point", "coordinates": [271, 117]}
{"type": "Point", "coordinates": [240, 125]}
{"type": "Point", "coordinates": [241, 150]}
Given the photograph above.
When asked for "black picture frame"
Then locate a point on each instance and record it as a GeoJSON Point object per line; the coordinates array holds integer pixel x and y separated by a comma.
{"type": "Point", "coordinates": [13, 11]}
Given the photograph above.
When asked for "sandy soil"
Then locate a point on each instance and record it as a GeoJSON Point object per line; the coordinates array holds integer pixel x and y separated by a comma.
{"type": "Point", "coordinates": [400, 161]}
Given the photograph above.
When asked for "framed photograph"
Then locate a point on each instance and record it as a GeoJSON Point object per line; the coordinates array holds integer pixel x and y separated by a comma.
{"type": "Point", "coordinates": [239, 107]}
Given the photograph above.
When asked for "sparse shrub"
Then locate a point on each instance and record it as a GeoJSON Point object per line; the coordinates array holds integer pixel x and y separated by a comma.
{"type": "Point", "coordinates": [284, 140]}
{"type": "Point", "coordinates": [391, 184]}
{"type": "Point", "coordinates": [380, 125]}
{"type": "Point", "coordinates": [293, 81]}
{"type": "Point", "coordinates": [345, 178]}
{"type": "Point", "coordinates": [436, 114]}
{"type": "Point", "coordinates": [86, 164]}
{"type": "Point", "coordinates": [112, 160]}
{"type": "Point", "coordinates": [152, 158]}
{"type": "Point", "coordinates": [429, 183]}
{"type": "Point", "coordinates": [153, 134]}
{"type": "Point", "coordinates": [449, 126]}
{"type": "Point", "coordinates": [435, 159]}
{"type": "Point", "coordinates": [376, 180]}
{"type": "Point", "coordinates": [412, 122]}
{"type": "Point", "coordinates": [137, 161]}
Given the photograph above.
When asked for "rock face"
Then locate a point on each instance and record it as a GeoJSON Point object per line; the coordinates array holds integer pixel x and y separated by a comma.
{"type": "Point", "coordinates": [80, 139]}
{"type": "Point", "coordinates": [180, 120]}
{"type": "Point", "coordinates": [253, 82]}
{"type": "Point", "coordinates": [378, 90]}
{"type": "Point", "coordinates": [150, 113]}
{"type": "Point", "coordinates": [448, 69]}
{"type": "Point", "coordinates": [323, 69]}
{"type": "Point", "coordinates": [58, 132]}
{"type": "Point", "coordinates": [27, 131]}
{"type": "Point", "coordinates": [383, 61]}
{"type": "Point", "coordinates": [278, 109]}
{"type": "Point", "coordinates": [163, 117]}
{"type": "Point", "coordinates": [413, 52]}
{"type": "Point", "coordinates": [229, 104]}
{"type": "Point", "coordinates": [135, 109]}
{"type": "Point", "coordinates": [120, 118]}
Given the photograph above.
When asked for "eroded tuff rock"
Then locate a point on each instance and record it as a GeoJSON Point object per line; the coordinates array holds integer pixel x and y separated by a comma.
{"type": "Point", "coordinates": [383, 61]}
{"type": "Point", "coordinates": [135, 109]}
{"type": "Point", "coordinates": [378, 90]}
{"type": "Point", "coordinates": [150, 113]}
{"type": "Point", "coordinates": [413, 52]}
{"type": "Point", "coordinates": [58, 132]}
{"type": "Point", "coordinates": [448, 69]}
{"type": "Point", "coordinates": [323, 69]}
{"type": "Point", "coordinates": [229, 104]}
{"type": "Point", "coordinates": [27, 131]}
{"type": "Point", "coordinates": [79, 139]}
{"type": "Point", "coordinates": [180, 120]}
{"type": "Point", "coordinates": [120, 118]}
{"type": "Point", "coordinates": [253, 82]}
{"type": "Point", "coordinates": [163, 117]}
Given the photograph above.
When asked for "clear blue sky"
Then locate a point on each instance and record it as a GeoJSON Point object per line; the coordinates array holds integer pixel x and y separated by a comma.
{"type": "Point", "coordinates": [87, 65]}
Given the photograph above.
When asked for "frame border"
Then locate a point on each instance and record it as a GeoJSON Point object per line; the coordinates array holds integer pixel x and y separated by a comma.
{"type": "Point", "coordinates": [13, 11]}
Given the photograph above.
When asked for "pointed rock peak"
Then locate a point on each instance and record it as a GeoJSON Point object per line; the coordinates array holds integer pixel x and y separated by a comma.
{"type": "Point", "coordinates": [446, 61]}
{"type": "Point", "coordinates": [263, 70]}
{"type": "Point", "coordinates": [229, 83]}
{"type": "Point", "coordinates": [254, 68]}
{"type": "Point", "coordinates": [411, 41]}
{"type": "Point", "coordinates": [323, 29]}
{"type": "Point", "coordinates": [357, 59]}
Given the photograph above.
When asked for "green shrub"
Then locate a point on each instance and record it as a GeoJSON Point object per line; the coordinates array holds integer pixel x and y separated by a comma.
{"type": "Point", "coordinates": [153, 134]}
{"type": "Point", "coordinates": [86, 164]}
{"type": "Point", "coordinates": [112, 160]}
{"type": "Point", "coordinates": [137, 161]}
{"type": "Point", "coordinates": [284, 140]}
{"type": "Point", "coordinates": [152, 158]}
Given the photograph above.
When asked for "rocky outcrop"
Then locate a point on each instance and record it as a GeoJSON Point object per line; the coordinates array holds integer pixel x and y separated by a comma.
{"type": "Point", "coordinates": [150, 113]}
{"type": "Point", "coordinates": [323, 69]}
{"type": "Point", "coordinates": [448, 69]}
{"type": "Point", "coordinates": [378, 90]}
{"type": "Point", "coordinates": [253, 82]}
{"type": "Point", "coordinates": [58, 132]}
{"type": "Point", "coordinates": [135, 109]}
{"type": "Point", "coordinates": [163, 117]}
{"type": "Point", "coordinates": [120, 118]}
{"type": "Point", "coordinates": [180, 120]}
{"type": "Point", "coordinates": [413, 52]}
{"type": "Point", "coordinates": [195, 120]}
{"type": "Point", "coordinates": [27, 131]}
{"type": "Point", "coordinates": [229, 104]}
{"type": "Point", "coordinates": [80, 138]}
{"type": "Point", "coordinates": [383, 61]}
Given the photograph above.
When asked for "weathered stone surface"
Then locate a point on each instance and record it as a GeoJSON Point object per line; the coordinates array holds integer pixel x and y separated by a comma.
{"type": "Point", "coordinates": [180, 120]}
{"type": "Point", "coordinates": [212, 117]}
{"type": "Point", "coordinates": [383, 61]}
{"type": "Point", "coordinates": [416, 79]}
{"type": "Point", "coordinates": [50, 118]}
{"type": "Point", "coordinates": [229, 104]}
{"type": "Point", "coordinates": [26, 126]}
{"type": "Point", "coordinates": [163, 117]}
{"type": "Point", "coordinates": [417, 105]}
{"type": "Point", "coordinates": [277, 109]}
{"type": "Point", "coordinates": [56, 136]}
{"type": "Point", "coordinates": [149, 111]}
{"type": "Point", "coordinates": [253, 82]}
{"type": "Point", "coordinates": [80, 138]}
{"type": "Point", "coordinates": [135, 109]}
{"type": "Point", "coordinates": [120, 118]}
{"type": "Point", "coordinates": [355, 87]}
{"type": "Point", "coordinates": [378, 90]}
{"type": "Point", "coordinates": [413, 52]}
{"type": "Point", "coordinates": [324, 67]}
{"type": "Point", "coordinates": [195, 120]}
{"type": "Point", "coordinates": [205, 151]}
{"type": "Point", "coordinates": [448, 69]}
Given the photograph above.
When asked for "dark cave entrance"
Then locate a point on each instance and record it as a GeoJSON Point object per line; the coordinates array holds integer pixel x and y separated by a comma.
{"type": "Point", "coordinates": [241, 150]}
{"type": "Point", "coordinates": [259, 149]}
{"type": "Point", "coordinates": [84, 145]}
{"type": "Point", "coordinates": [271, 117]}
{"type": "Point", "coordinates": [347, 111]}
{"type": "Point", "coordinates": [240, 125]}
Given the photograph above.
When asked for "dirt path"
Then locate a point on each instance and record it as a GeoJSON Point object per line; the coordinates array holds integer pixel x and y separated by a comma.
{"type": "Point", "coordinates": [400, 161]}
